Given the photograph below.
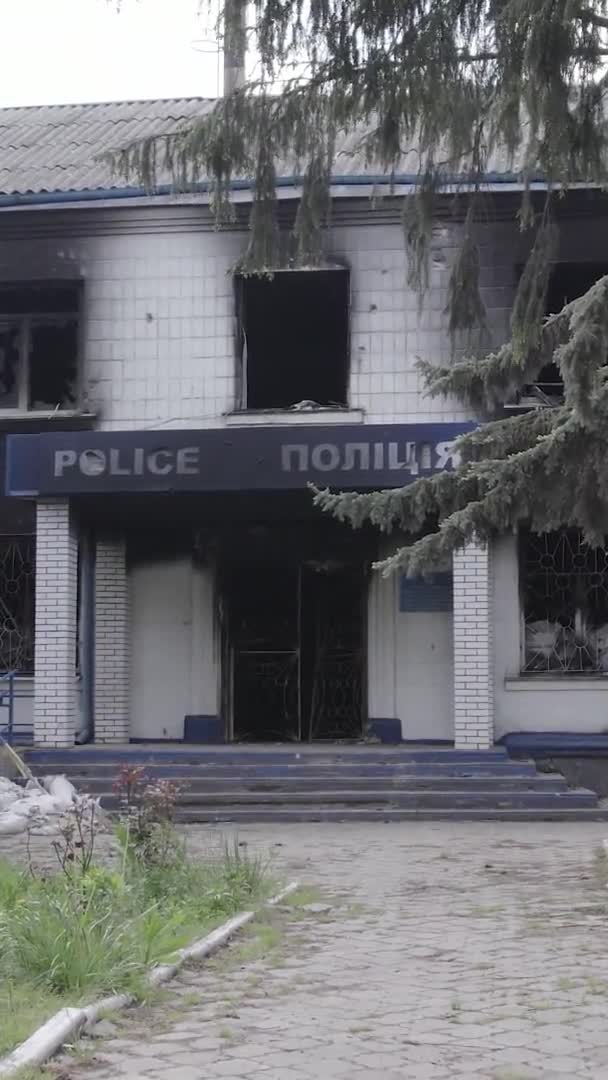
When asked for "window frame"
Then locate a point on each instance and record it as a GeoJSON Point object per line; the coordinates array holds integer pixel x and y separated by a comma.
{"type": "Point", "coordinates": [533, 396]}
{"type": "Point", "coordinates": [25, 321]}
{"type": "Point", "coordinates": [561, 671]}
{"type": "Point", "coordinates": [241, 358]}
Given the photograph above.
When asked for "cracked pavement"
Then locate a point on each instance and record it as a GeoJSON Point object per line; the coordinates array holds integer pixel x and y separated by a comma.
{"type": "Point", "coordinates": [451, 951]}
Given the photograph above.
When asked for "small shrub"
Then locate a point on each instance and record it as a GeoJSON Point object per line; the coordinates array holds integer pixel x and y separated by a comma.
{"type": "Point", "coordinates": [128, 785]}
{"type": "Point", "coordinates": [75, 848]}
{"type": "Point", "coordinates": [147, 813]}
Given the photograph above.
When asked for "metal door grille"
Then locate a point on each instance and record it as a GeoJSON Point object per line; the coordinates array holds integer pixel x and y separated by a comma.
{"type": "Point", "coordinates": [297, 648]}
{"type": "Point", "coordinates": [17, 577]}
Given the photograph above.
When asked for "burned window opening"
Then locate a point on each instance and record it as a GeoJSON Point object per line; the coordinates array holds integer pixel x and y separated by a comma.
{"type": "Point", "coordinates": [39, 336]}
{"type": "Point", "coordinates": [294, 339]}
{"type": "Point", "coordinates": [567, 282]}
{"type": "Point", "coordinates": [564, 591]}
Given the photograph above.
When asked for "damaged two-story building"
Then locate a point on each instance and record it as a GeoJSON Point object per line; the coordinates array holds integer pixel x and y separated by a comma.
{"type": "Point", "coordinates": [164, 574]}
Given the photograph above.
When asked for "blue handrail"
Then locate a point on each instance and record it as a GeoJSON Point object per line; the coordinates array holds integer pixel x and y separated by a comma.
{"type": "Point", "coordinates": [8, 696]}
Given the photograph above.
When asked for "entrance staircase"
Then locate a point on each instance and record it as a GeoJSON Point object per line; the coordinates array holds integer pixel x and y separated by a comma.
{"type": "Point", "coordinates": [331, 782]}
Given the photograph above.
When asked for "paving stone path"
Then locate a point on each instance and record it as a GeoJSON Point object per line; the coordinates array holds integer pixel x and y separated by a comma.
{"type": "Point", "coordinates": [450, 952]}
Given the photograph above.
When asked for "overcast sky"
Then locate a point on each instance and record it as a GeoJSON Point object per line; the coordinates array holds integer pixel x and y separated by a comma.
{"type": "Point", "coordinates": [61, 51]}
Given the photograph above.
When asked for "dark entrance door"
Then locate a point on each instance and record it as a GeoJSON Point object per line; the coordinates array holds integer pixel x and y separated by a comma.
{"type": "Point", "coordinates": [297, 638]}
{"type": "Point", "coordinates": [332, 634]}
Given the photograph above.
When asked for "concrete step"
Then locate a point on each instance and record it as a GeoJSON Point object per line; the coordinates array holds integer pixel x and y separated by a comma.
{"type": "Point", "coordinates": [197, 786]}
{"type": "Point", "coordinates": [414, 800]}
{"type": "Point", "coordinates": [236, 756]}
{"type": "Point", "coordinates": [338, 784]}
{"type": "Point", "coordinates": [312, 771]}
{"type": "Point", "coordinates": [259, 815]}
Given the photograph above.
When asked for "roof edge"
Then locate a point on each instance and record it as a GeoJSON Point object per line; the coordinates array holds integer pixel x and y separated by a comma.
{"type": "Point", "coordinates": [105, 103]}
{"type": "Point", "coordinates": [493, 181]}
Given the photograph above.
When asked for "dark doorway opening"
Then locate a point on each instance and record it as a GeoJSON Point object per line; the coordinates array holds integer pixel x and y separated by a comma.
{"type": "Point", "coordinates": [295, 651]}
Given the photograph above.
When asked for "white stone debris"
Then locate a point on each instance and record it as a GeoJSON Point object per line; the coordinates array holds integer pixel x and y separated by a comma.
{"type": "Point", "coordinates": [42, 806]}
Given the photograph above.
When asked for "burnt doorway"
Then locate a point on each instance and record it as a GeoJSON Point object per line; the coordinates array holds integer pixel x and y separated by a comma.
{"type": "Point", "coordinates": [295, 656]}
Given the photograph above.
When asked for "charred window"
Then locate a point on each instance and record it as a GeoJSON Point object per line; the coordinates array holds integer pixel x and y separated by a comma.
{"type": "Point", "coordinates": [567, 282]}
{"type": "Point", "coordinates": [294, 339]}
{"type": "Point", "coordinates": [564, 588]}
{"type": "Point", "coordinates": [39, 346]}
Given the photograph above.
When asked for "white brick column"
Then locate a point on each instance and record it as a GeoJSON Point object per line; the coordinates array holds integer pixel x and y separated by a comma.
{"type": "Point", "coordinates": [473, 683]}
{"type": "Point", "coordinates": [55, 704]}
{"type": "Point", "coordinates": [112, 641]}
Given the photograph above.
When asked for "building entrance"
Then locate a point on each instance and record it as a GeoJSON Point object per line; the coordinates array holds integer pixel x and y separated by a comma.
{"type": "Point", "coordinates": [294, 650]}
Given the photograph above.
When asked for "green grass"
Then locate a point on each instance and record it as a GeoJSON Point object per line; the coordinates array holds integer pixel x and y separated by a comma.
{"type": "Point", "coordinates": [71, 937]}
{"type": "Point", "coordinates": [304, 894]}
{"type": "Point", "coordinates": [266, 940]}
{"type": "Point", "coordinates": [24, 1007]}
{"type": "Point", "coordinates": [31, 1074]}
{"type": "Point", "coordinates": [191, 999]}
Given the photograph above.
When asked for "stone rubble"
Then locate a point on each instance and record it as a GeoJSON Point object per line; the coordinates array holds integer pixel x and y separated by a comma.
{"type": "Point", "coordinates": [34, 814]}
{"type": "Point", "coordinates": [40, 806]}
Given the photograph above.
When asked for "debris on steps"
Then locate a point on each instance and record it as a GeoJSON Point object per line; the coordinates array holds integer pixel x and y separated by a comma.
{"type": "Point", "coordinates": [36, 812]}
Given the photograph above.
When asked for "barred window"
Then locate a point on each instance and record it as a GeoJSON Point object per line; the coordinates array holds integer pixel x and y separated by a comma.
{"type": "Point", "coordinates": [17, 576]}
{"type": "Point", "coordinates": [564, 592]}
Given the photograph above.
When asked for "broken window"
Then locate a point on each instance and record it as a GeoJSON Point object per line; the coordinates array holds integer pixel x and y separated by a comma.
{"type": "Point", "coordinates": [567, 282]}
{"type": "Point", "coordinates": [564, 591]}
{"type": "Point", "coordinates": [293, 331]}
{"type": "Point", "coordinates": [39, 346]}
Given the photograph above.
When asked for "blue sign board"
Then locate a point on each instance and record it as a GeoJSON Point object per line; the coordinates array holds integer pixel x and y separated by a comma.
{"type": "Point", "coordinates": [434, 593]}
{"type": "Point", "coordinates": [345, 456]}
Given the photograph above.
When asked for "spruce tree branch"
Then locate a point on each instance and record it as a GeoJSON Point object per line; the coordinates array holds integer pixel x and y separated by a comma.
{"type": "Point", "coordinates": [501, 493]}
{"type": "Point", "coordinates": [513, 470]}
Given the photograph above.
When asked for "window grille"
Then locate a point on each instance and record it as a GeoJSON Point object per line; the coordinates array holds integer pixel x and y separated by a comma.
{"type": "Point", "coordinates": [17, 576]}
{"type": "Point", "coordinates": [564, 588]}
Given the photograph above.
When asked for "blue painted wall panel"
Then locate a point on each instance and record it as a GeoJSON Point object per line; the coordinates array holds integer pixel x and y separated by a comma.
{"type": "Point", "coordinates": [426, 594]}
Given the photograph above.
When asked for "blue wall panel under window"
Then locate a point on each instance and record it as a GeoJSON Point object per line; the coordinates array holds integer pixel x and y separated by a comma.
{"type": "Point", "coordinates": [426, 594]}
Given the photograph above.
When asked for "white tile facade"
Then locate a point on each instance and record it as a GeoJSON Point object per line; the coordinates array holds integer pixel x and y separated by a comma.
{"type": "Point", "coordinates": [159, 353]}
{"type": "Point", "coordinates": [159, 337]}
{"type": "Point", "coordinates": [159, 328]}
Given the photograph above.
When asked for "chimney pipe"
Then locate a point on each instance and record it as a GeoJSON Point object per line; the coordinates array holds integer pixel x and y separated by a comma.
{"type": "Point", "coordinates": [235, 44]}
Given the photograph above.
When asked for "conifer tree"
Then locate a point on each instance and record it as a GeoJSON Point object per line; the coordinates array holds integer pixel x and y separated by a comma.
{"type": "Point", "coordinates": [447, 85]}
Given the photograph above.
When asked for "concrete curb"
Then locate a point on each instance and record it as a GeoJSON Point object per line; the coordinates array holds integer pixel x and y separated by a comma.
{"type": "Point", "coordinates": [68, 1022]}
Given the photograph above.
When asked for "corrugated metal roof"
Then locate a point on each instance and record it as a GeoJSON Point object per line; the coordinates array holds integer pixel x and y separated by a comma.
{"type": "Point", "coordinates": [50, 148]}
{"type": "Point", "coordinates": [54, 148]}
